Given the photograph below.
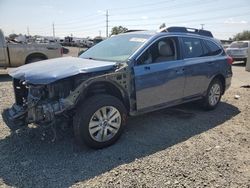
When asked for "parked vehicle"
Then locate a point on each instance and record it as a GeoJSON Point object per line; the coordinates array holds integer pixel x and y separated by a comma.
{"type": "Point", "coordinates": [17, 54]}
{"type": "Point", "coordinates": [65, 50]}
{"type": "Point", "coordinates": [238, 50]}
{"type": "Point", "coordinates": [127, 74]}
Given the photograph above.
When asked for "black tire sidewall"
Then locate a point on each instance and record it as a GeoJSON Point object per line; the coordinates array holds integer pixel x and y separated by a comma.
{"type": "Point", "coordinates": [84, 113]}
{"type": "Point", "coordinates": [35, 59]}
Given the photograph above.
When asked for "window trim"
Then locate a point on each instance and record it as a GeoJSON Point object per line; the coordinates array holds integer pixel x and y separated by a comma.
{"type": "Point", "coordinates": [206, 45]}
{"type": "Point", "coordinates": [182, 51]}
{"type": "Point", "coordinates": [179, 55]}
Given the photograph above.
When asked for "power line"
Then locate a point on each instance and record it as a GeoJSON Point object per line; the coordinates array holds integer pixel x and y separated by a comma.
{"type": "Point", "coordinates": [165, 8]}
{"type": "Point", "coordinates": [107, 23]}
{"type": "Point", "coordinates": [81, 25]}
{"type": "Point", "coordinates": [193, 20]}
{"type": "Point", "coordinates": [64, 27]}
{"type": "Point", "coordinates": [28, 31]}
{"type": "Point", "coordinates": [202, 26]}
{"type": "Point", "coordinates": [140, 6]}
{"type": "Point", "coordinates": [53, 28]}
{"type": "Point", "coordinates": [82, 19]}
{"type": "Point", "coordinates": [174, 15]}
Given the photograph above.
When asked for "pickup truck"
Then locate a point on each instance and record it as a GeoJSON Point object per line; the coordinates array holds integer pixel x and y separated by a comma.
{"type": "Point", "coordinates": [17, 54]}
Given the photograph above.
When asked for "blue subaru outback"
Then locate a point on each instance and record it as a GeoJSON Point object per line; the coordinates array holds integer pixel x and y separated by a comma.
{"type": "Point", "coordinates": [128, 74]}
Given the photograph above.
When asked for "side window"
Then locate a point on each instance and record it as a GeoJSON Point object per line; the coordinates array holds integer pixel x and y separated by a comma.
{"type": "Point", "coordinates": [192, 47]}
{"type": "Point", "coordinates": [162, 50]}
{"type": "Point", "coordinates": [213, 48]}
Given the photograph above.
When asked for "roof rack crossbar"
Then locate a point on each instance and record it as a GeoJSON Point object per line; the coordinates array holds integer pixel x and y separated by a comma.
{"type": "Point", "coordinates": [188, 30]}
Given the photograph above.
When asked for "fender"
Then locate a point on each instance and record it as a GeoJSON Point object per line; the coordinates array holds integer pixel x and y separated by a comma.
{"type": "Point", "coordinates": [117, 79]}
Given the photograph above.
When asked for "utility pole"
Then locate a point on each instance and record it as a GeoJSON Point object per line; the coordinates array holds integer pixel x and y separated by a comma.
{"type": "Point", "coordinates": [202, 26]}
{"type": "Point", "coordinates": [107, 23]}
{"type": "Point", "coordinates": [28, 31]}
{"type": "Point", "coordinates": [53, 28]}
{"type": "Point", "coordinates": [100, 33]}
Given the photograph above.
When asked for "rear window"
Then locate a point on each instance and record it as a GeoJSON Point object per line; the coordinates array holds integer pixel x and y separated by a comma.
{"type": "Point", "coordinates": [239, 45]}
{"type": "Point", "coordinates": [192, 47]}
{"type": "Point", "coordinates": [213, 49]}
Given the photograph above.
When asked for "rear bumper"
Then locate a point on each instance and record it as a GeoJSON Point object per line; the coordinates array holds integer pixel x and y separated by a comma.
{"type": "Point", "coordinates": [239, 58]}
{"type": "Point", "coordinates": [228, 83]}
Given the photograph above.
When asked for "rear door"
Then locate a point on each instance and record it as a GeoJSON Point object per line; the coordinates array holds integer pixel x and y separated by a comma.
{"type": "Point", "coordinates": [200, 65]}
{"type": "Point", "coordinates": [159, 80]}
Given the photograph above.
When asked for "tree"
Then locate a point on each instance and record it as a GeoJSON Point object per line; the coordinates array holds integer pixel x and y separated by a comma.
{"type": "Point", "coordinates": [245, 35]}
{"type": "Point", "coordinates": [118, 29]}
{"type": "Point", "coordinates": [162, 25]}
{"type": "Point", "coordinates": [13, 36]}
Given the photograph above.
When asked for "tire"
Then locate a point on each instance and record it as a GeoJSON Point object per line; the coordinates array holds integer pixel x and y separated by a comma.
{"type": "Point", "coordinates": [213, 96]}
{"type": "Point", "coordinates": [245, 61]}
{"type": "Point", "coordinates": [35, 59]}
{"type": "Point", "coordinates": [90, 123]}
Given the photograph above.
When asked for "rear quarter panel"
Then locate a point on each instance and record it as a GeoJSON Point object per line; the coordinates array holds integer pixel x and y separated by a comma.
{"type": "Point", "coordinates": [19, 52]}
{"type": "Point", "coordinates": [220, 67]}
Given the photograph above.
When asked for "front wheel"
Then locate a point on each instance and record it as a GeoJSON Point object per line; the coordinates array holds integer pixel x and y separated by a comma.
{"type": "Point", "coordinates": [99, 121]}
{"type": "Point", "coordinates": [213, 95]}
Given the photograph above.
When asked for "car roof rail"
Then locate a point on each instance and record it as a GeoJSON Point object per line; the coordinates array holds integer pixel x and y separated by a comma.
{"type": "Point", "coordinates": [133, 30]}
{"type": "Point", "coordinates": [187, 30]}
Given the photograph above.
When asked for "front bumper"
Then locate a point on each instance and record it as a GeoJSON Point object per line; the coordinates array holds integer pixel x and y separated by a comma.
{"type": "Point", "coordinates": [17, 117]}
{"type": "Point", "coordinates": [12, 122]}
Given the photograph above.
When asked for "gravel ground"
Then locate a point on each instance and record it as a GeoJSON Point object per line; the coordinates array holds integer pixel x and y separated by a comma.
{"type": "Point", "coordinates": [178, 147]}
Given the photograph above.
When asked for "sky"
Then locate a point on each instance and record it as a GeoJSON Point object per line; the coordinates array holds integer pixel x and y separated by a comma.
{"type": "Point", "coordinates": [87, 18]}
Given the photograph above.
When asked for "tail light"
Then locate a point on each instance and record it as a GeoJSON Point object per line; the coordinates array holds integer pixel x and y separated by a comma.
{"type": "Point", "coordinates": [230, 60]}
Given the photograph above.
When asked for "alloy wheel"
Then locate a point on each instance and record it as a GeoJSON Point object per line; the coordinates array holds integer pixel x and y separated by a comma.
{"type": "Point", "coordinates": [214, 94]}
{"type": "Point", "coordinates": [104, 124]}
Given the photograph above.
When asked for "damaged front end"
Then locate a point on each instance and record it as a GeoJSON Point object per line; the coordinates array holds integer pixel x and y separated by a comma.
{"type": "Point", "coordinates": [38, 104]}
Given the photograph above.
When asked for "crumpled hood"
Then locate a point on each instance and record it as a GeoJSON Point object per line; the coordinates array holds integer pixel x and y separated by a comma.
{"type": "Point", "coordinates": [48, 71]}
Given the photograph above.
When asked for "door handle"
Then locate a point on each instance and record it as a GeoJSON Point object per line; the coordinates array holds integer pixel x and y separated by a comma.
{"type": "Point", "coordinates": [211, 63]}
{"type": "Point", "coordinates": [147, 67]}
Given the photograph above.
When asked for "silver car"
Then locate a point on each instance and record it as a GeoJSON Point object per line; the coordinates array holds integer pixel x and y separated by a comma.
{"type": "Point", "coordinates": [238, 50]}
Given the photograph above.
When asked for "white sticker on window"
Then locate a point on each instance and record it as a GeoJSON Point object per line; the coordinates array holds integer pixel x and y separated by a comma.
{"type": "Point", "coordinates": [137, 40]}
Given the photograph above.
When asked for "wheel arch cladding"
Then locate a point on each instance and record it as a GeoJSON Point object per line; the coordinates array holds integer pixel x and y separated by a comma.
{"type": "Point", "coordinates": [222, 79]}
{"type": "Point", "coordinates": [110, 88]}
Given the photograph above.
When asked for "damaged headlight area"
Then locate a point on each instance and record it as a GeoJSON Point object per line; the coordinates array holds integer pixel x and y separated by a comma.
{"type": "Point", "coordinates": [39, 104]}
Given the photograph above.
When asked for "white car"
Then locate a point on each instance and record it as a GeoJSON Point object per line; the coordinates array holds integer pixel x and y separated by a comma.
{"type": "Point", "coordinates": [238, 50]}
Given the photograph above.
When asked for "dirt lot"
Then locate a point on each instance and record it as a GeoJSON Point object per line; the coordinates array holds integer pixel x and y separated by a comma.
{"type": "Point", "coordinates": [178, 147]}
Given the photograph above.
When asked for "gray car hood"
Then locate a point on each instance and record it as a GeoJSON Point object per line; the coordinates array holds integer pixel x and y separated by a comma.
{"type": "Point", "coordinates": [48, 71]}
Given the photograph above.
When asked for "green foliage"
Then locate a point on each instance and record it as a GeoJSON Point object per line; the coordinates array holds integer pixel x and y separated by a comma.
{"type": "Point", "coordinates": [245, 35]}
{"type": "Point", "coordinates": [13, 36]}
{"type": "Point", "coordinates": [162, 25]}
{"type": "Point", "coordinates": [118, 29]}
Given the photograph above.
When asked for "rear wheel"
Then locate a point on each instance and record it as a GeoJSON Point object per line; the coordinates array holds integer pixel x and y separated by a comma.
{"type": "Point", "coordinates": [213, 95]}
{"type": "Point", "coordinates": [99, 121]}
{"type": "Point", "coordinates": [34, 59]}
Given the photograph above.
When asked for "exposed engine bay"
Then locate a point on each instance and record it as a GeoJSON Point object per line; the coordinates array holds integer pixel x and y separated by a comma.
{"type": "Point", "coordinates": [39, 103]}
{"type": "Point", "coordinates": [45, 104]}
{"type": "Point", "coordinates": [49, 99]}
